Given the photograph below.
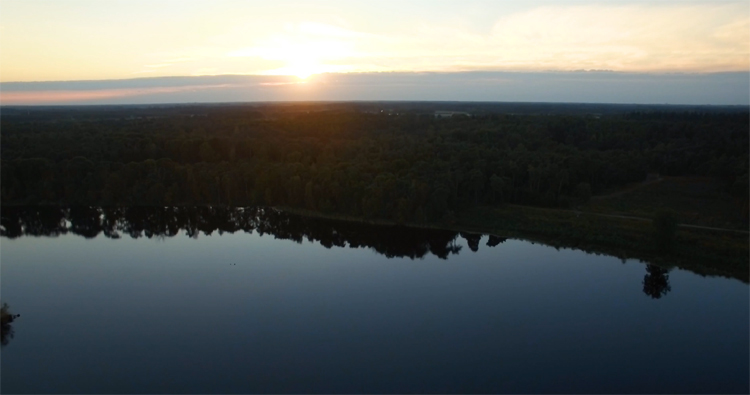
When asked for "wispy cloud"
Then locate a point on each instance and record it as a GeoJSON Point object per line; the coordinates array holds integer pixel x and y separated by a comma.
{"type": "Point", "coordinates": [644, 38]}
{"type": "Point", "coordinates": [281, 83]}
{"type": "Point", "coordinates": [66, 96]}
{"type": "Point", "coordinates": [156, 66]}
{"type": "Point", "coordinates": [133, 90]}
{"type": "Point", "coordinates": [179, 59]}
{"type": "Point", "coordinates": [664, 37]}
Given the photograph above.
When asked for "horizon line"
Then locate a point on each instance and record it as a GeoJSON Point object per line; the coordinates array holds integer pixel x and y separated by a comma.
{"type": "Point", "coordinates": [576, 71]}
{"type": "Point", "coordinates": [364, 101]}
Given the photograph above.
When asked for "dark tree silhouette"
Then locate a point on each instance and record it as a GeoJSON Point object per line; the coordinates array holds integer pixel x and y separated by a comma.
{"type": "Point", "coordinates": [6, 318]}
{"type": "Point", "coordinates": [656, 282]}
{"type": "Point", "coordinates": [494, 241]}
{"type": "Point", "coordinates": [112, 222]}
{"type": "Point", "coordinates": [472, 239]}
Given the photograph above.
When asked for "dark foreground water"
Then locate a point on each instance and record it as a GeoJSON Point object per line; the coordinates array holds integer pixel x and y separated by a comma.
{"type": "Point", "coordinates": [315, 306]}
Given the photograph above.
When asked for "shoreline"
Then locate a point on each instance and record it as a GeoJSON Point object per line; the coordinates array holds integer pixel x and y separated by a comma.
{"type": "Point", "coordinates": [703, 251]}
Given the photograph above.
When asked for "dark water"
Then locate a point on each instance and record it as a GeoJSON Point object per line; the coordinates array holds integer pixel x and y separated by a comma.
{"type": "Point", "coordinates": [319, 306]}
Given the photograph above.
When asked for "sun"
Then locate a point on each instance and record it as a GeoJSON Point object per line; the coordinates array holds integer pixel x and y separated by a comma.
{"type": "Point", "coordinates": [301, 57]}
{"type": "Point", "coordinates": [303, 74]}
{"type": "Point", "coordinates": [303, 69]}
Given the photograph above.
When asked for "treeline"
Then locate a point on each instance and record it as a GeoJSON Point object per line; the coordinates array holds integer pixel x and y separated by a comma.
{"type": "Point", "coordinates": [407, 167]}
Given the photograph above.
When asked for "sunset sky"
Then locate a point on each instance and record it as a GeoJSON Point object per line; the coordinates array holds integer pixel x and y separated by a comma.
{"type": "Point", "coordinates": [73, 40]}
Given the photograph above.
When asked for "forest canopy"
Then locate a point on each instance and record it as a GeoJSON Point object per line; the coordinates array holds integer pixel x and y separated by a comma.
{"type": "Point", "coordinates": [397, 163]}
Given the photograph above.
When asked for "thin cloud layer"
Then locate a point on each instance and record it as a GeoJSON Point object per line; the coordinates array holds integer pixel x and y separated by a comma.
{"type": "Point", "coordinates": [641, 38]}
{"type": "Point", "coordinates": [580, 87]}
{"type": "Point", "coordinates": [663, 38]}
{"type": "Point", "coordinates": [634, 38]}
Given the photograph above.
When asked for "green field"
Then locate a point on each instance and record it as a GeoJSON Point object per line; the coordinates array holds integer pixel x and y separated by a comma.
{"type": "Point", "coordinates": [695, 200]}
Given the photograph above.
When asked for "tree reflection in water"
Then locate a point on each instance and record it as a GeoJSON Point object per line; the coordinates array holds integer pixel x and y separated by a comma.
{"type": "Point", "coordinates": [6, 318]}
{"type": "Point", "coordinates": [472, 240]}
{"type": "Point", "coordinates": [391, 241]}
{"type": "Point", "coordinates": [656, 282]}
{"type": "Point", "coordinates": [89, 222]}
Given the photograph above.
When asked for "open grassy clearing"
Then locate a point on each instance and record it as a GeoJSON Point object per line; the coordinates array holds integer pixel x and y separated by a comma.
{"type": "Point", "coordinates": [695, 200]}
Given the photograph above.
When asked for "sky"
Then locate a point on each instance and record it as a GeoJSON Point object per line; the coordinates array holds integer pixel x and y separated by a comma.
{"type": "Point", "coordinates": [682, 52]}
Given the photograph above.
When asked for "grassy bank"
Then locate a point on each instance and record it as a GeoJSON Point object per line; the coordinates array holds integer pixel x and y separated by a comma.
{"type": "Point", "coordinates": [698, 201]}
{"type": "Point", "coordinates": [704, 252]}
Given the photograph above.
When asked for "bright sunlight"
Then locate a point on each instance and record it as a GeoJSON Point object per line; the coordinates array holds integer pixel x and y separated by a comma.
{"type": "Point", "coordinates": [301, 55]}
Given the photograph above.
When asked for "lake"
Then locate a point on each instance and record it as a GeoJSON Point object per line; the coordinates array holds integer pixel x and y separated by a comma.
{"type": "Point", "coordinates": [212, 300]}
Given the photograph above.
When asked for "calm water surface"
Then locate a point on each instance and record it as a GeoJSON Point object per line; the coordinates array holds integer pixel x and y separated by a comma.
{"type": "Point", "coordinates": [243, 312]}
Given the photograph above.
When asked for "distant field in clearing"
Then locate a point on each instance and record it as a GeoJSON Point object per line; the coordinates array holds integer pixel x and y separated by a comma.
{"type": "Point", "coordinates": [696, 200]}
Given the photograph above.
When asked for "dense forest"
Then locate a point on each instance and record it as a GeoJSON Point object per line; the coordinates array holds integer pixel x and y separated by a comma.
{"type": "Point", "coordinates": [403, 164]}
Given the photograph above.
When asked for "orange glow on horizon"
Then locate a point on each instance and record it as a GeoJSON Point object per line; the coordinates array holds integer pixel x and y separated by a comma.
{"type": "Point", "coordinates": [63, 96]}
